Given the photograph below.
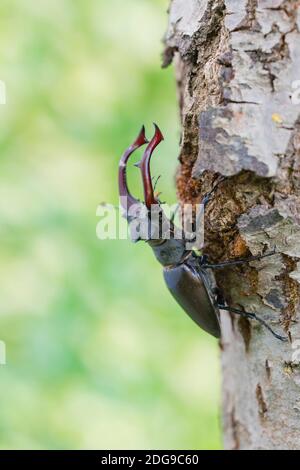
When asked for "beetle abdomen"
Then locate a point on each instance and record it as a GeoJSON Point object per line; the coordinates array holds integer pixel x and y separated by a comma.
{"type": "Point", "coordinates": [190, 290]}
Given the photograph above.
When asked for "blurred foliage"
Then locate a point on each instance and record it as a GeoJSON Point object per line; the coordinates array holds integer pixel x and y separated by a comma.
{"type": "Point", "coordinates": [98, 353]}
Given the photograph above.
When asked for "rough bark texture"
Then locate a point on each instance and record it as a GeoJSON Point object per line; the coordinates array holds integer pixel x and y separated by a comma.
{"type": "Point", "coordinates": [236, 63]}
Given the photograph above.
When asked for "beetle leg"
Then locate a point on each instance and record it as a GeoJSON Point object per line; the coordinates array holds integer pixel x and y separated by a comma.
{"type": "Point", "coordinates": [253, 316]}
{"type": "Point", "coordinates": [205, 201]}
{"type": "Point", "coordinates": [219, 296]}
{"type": "Point", "coordinates": [203, 204]}
{"type": "Point", "coordinates": [237, 261]}
{"type": "Point", "coordinates": [209, 195]}
{"type": "Point", "coordinates": [144, 166]}
{"type": "Point", "coordinates": [203, 259]}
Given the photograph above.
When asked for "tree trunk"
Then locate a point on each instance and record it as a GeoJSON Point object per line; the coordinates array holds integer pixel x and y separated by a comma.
{"type": "Point", "coordinates": [238, 71]}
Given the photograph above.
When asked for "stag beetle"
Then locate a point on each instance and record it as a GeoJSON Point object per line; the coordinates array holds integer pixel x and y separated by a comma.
{"type": "Point", "coordinates": [188, 276]}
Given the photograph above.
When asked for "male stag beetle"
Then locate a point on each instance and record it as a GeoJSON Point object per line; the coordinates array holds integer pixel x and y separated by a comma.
{"type": "Point", "coordinates": [189, 277]}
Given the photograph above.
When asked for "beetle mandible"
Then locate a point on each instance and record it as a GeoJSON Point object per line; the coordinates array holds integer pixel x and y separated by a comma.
{"type": "Point", "coordinates": [189, 277]}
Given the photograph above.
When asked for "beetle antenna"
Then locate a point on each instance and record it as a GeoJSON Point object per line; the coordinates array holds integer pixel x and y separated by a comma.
{"type": "Point", "coordinates": [173, 215]}
{"type": "Point", "coordinates": [156, 181]}
{"type": "Point", "coordinates": [253, 316]}
{"type": "Point", "coordinates": [238, 261]}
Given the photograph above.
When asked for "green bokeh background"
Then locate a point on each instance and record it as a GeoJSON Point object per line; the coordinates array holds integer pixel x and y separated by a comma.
{"type": "Point", "coordinates": [98, 353]}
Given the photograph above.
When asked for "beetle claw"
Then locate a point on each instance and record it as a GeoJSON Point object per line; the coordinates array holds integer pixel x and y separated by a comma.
{"type": "Point", "coordinates": [123, 187]}
{"type": "Point", "coordinates": [141, 139]}
{"type": "Point", "coordinates": [144, 165]}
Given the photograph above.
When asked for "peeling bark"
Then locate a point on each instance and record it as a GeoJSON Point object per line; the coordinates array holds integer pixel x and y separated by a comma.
{"type": "Point", "coordinates": [237, 66]}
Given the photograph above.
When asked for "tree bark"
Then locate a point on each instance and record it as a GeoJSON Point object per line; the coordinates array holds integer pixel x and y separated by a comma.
{"type": "Point", "coordinates": [238, 70]}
